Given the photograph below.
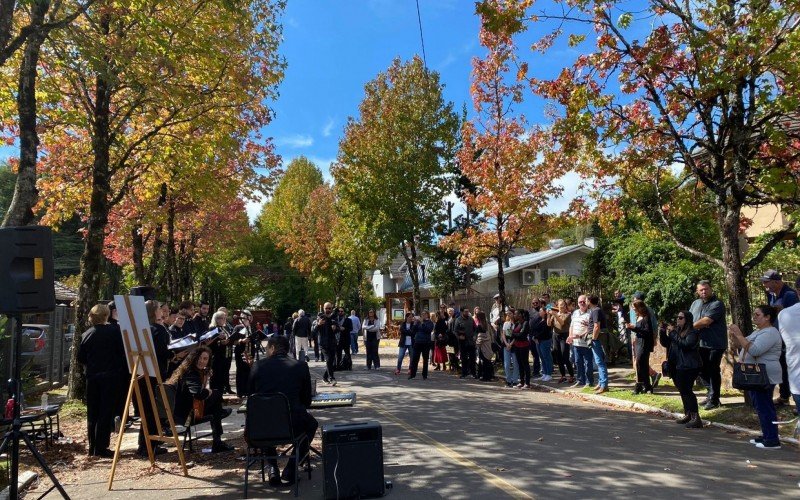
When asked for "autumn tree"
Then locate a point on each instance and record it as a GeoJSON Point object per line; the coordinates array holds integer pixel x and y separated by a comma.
{"type": "Point", "coordinates": [705, 90]}
{"type": "Point", "coordinates": [290, 197]}
{"type": "Point", "coordinates": [507, 185]}
{"type": "Point", "coordinates": [128, 79]}
{"type": "Point", "coordinates": [391, 167]}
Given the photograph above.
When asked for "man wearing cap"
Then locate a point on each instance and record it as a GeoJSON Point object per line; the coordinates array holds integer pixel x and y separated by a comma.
{"type": "Point", "coordinates": [709, 319]}
{"type": "Point", "coordinates": [780, 296]}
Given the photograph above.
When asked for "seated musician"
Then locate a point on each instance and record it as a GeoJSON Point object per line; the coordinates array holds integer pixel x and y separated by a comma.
{"type": "Point", "coordinates": [193, 394]}
{"type": "Point", "coordinates": [278, 372]}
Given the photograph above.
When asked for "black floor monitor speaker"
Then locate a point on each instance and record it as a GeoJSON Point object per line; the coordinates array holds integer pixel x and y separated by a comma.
{"type": "Point", "coordinates": [352, 458]}
{"type": "Point", "coordinates": [26, 270]}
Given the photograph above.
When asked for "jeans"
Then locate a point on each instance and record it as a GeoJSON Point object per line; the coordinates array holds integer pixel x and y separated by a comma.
{"type": "Point", "coordinates": [330, 361]}
{"type": "Point", "coordinates": [684, 381]}
{"type": "Point", "coordinates": [354, 342]}
{"type": "Point", "coordinates": [762, 402]}
{"type": "Point", "coordinates": [583, 363]}
{"type": "Point", "coordinates": [710, 373]}
{"type": "Point", "coordinates": [600, 361]}
{"type": "Point", "coordinates": [371, 346]}
{"type": "Point", "coordinates": [546, 355]}
{"type": "Point", "coordinates": [537, 363]}
{"type": "Point", "coordinates": [401, 353]}
{"type": "Point", "coordinates": [510, 366]}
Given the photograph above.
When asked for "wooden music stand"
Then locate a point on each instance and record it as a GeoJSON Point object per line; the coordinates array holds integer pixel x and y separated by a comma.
{"type": "Point", "coordinates": [143, 357]}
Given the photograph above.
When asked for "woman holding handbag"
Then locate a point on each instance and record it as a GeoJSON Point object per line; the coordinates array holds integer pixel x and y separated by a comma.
{"type": "Point", "coordinates": [683, 356]}
{"type": "Point", "coordinates": [762, 347]}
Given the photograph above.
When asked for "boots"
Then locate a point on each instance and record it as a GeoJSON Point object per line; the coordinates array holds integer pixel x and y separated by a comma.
{"type": "Point", "coordinates": [684, 419]}
{"type": "Point", "coordinates": [695, 422]}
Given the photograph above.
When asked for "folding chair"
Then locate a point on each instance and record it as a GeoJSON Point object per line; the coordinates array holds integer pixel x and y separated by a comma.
{"type": "Point", "coordinates": [269, 424]}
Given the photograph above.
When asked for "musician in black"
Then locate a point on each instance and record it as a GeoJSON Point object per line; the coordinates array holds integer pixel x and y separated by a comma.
{"type": "Point", "coordinates": [327, 341]}
{"type": "Point", "coordinates": [241, 338]}
{"type": "Point", "coordinates": [162, 355]}
{"type": "Point", "coordinates": [186, 310]}
{"type": "Point", "coordinates": [281, 373]}
{"type": "Point", "coordinates": [228, 352]}
{"type": "Point", "coordinates": [218, 347]}
{"type": "Point", "coordinates": [342, 326]}
{"type": "Point", "coordinates": [193, 394]}
{"type": "Point", "coordinates": [202, 318]}
{"type": "Point", "coordinates": [103, 354]}
{"type": "Point", "coordinates": [178, 328]}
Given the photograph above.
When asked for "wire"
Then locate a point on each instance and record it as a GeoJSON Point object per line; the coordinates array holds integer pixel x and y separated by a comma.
{"type": "Point", "coordinates": [421, 39]}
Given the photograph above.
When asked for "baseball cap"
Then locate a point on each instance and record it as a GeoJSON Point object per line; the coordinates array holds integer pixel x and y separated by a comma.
{"type": "Point", "coordinates": [771, 275]}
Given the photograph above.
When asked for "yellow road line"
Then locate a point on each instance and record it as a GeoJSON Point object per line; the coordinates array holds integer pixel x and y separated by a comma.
{"type": "Point", "coordinates": [453, 455]}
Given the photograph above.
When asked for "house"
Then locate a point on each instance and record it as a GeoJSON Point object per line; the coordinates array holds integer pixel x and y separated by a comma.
{"type": "Point", "coordinates": [523, 270]}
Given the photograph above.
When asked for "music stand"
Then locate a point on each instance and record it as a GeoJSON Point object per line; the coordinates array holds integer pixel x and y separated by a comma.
{"type": "Point", "coordinates": [16, 433]}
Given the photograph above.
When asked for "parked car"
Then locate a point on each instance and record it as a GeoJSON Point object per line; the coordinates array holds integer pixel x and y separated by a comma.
{"type": "Point", "coordinates": [33, 346]}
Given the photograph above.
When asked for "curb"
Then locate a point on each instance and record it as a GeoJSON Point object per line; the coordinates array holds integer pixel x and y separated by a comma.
{"type": "Point", "coordinates": [633, 405]}
{"type": "Point", "coordinates": [25, 479]}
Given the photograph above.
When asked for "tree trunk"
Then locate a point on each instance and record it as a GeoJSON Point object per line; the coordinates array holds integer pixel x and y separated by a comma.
{"type": "Point", "coordinates": [410, 257]}
{"type": "Point", "coordinates": [20, 212]}
{"type": "Point", "coordinates": [99, 208]}
{"type": "Point", "coordinates": [501, 282]}
{"type": "Point", "coordinates": [170, 264]}
{"type": "Point", "coordinates": [137, 246]}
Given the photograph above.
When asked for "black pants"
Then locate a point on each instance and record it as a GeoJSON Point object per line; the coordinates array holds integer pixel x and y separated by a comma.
{"type": "Point", "coordinates": [643, 370]}
{"type": "Point", "coordinates": [213, 407]}
{"type": "Point", "coordinates": [330, 361]}
{"type": "Point", "coordinates": [710, 373]}
{"type": "Point", "coordinates": [467, 359]}
{"type": "Point", "coordinates": [373, 359]}
{"type": "Point", "coordinates": [537, 362]}
{"type": "Point", "coordinates": [524, 364]}
{"type": "Point", "coordinates": [487, 368]}
{"type": "Point", "coordinates": [684, 381]}
{"type": "Point", "coordinates": [561, 356]}
{"type": "Point", "coordinates": [302, 424]}
{"type": "Point", "coordinates": [242, 376]}
{"type": "Point", "coordinates": [149, 414]}
{"type": "Point", "coordinates": [227, 374]}
{"type": "Point", "coordinates": [100, 410]}
{"type": "Point", "coordinates": [219, 376]}
{"type": "Point", "coordinates": [420, 349]}
{"type": "Point", "coordinates": [783, 390]}
{"type": "Point", "coordinates": [315, 341]}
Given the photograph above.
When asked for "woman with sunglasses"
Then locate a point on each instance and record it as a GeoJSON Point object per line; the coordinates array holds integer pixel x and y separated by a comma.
{"type": "Point", "coordinates": [682, 342]}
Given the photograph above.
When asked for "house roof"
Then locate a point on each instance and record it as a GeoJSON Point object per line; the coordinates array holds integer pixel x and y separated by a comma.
{"type": "Point", "coordinates": [489, 270]}
{"type": "Point", "coordinates": [65, 293]}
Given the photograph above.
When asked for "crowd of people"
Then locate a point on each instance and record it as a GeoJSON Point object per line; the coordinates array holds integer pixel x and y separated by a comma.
{"type": "Point", "coordinates": [567, 338]}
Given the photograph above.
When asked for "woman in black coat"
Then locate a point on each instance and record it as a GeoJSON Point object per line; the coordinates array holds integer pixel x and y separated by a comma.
{"type": "Point", "coordinates": [191, 390]}
{"type": "Point", "coordinates": [683, 356]}
{"type": "Point", "coordinates": [644, 346]}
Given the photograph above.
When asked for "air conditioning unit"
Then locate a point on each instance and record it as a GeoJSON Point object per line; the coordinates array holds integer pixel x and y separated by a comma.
{"type": "Point", "coordinates": [556, 272]}
{"type": "Point", "coordinates": [531, 277]}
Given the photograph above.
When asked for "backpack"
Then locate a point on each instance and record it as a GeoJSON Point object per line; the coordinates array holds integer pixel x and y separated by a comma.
{"type": "Point", "coordinates": [346, 364]}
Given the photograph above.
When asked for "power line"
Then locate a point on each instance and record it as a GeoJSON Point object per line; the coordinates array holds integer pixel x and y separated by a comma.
{"type": "Point", "coordinates": [421, 39]}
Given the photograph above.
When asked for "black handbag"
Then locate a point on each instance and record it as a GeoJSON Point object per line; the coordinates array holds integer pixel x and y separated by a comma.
{"type": "Point", "coordinates": [750, 376]}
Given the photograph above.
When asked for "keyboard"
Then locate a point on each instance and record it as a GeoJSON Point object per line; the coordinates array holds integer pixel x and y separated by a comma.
{"type": "Point", "coordinates": [333, 399]}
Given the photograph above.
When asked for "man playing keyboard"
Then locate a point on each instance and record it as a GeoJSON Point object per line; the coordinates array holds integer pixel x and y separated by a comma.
{"type": "Point", "coordinates": [278, 372]}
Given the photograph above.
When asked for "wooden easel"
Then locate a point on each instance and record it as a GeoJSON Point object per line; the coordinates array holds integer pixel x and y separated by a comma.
{"type": "Point", "coordinates": [137, 355]}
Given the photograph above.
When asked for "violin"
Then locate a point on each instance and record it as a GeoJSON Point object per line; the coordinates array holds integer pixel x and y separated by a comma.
{"type": "Point", "coordinates": [199, 405]}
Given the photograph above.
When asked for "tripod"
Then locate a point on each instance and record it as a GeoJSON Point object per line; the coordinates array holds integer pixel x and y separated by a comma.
{"type": "Point", "coordinates": [16, 433]}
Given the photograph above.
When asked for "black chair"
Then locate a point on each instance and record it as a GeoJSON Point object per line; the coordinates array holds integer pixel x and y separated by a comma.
{"type": "Point", "coordinates": [268, 424]}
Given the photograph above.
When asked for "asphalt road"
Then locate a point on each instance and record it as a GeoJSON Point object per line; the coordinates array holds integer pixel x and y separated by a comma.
{"type": "Point", "coordinates": [450, 438]}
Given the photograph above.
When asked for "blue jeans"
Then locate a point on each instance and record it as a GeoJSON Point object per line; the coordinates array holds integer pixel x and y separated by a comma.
{"type": "Point", "coordinates": [583, 363]}
{"type": "Point", "coordinates": [600, 361]}
{"type": "Point", "coordinates": [354, 342]}
{"type": "Point", "coordinates": [401, 353]}
{"type": "Point", "coordinates": [762, 402]}
{"type": "Point", "coordinates": [546, 355]}
{"type": "Point", "coordinates": [510, 367]}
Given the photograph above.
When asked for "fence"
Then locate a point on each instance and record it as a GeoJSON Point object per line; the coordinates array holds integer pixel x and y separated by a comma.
{"type": "Point", "coordinates": [50, 361]}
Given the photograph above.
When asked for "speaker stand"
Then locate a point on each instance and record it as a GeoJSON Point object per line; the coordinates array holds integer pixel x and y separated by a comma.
{"type": "Point", "coordinates": [13, 436]}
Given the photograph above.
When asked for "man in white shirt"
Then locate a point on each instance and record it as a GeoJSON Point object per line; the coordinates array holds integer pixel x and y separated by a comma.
{"type": "Point", "coordinates": [354, 332]}
{"type": "Point", "coordinates": [581, 342]}
{"type": "Point", "coordinates": [789, 326]}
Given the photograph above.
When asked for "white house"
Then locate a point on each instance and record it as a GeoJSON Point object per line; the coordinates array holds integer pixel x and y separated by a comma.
{"type": "Point", "coordinates": [521, 271]}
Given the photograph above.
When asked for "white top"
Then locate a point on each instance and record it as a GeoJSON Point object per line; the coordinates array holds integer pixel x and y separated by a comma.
{"type": "Point", "coordinates": [580, 328]}
{"type": "Point", "coordinates": [789, 321]}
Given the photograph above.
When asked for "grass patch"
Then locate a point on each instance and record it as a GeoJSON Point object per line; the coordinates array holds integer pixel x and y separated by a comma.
{"type": "Point", "coordinates": [668, 403]}
{"type": "Point", "coordinates": [73, 409]}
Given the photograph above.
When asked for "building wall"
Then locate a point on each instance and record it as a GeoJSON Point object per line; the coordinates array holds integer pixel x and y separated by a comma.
{"type": "Point", "coordinates": [765, 219]}
{"type": "Point", "coordinates": [382, 284]}
{"type": "Point", "coordinates": [572, 263]}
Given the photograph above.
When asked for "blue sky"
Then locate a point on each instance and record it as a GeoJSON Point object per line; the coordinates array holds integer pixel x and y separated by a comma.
{"type": "Point", "coordinates": [334, 47]}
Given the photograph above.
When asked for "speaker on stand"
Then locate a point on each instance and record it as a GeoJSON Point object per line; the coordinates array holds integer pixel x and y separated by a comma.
{"type": "Point", "coordinates": [26, 272]}
{"type": "Point", "coordinates": [352, 459]}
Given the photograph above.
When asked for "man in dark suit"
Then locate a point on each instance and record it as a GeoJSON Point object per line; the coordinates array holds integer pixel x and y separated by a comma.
{"type": "Point", "coordinates": [278, 372]}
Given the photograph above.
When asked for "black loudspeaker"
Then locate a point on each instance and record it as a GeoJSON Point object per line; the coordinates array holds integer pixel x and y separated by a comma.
{"type": "Point", "coordinates": [148, 292]}
{"type": "Point", "coordinates": [26, 270]}
{"type": "Point", "coordinates": [352, 458]}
